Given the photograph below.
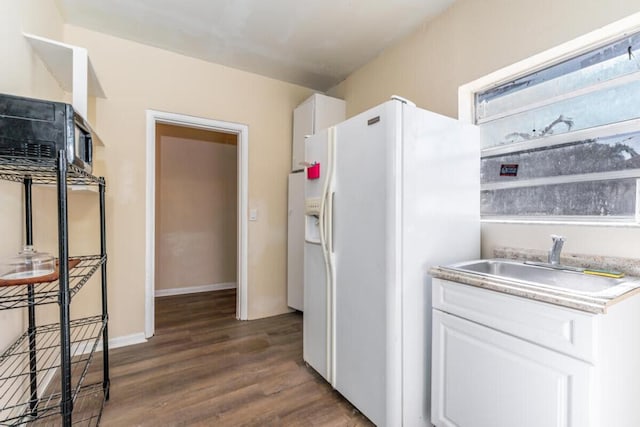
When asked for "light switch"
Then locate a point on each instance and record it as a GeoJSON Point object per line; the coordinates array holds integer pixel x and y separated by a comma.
{"type": "Point", "coordinates": [253, 214]}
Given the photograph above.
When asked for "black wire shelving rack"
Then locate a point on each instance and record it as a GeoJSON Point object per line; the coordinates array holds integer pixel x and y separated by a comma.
{"type": "Point", "coordinates": [43, 373]}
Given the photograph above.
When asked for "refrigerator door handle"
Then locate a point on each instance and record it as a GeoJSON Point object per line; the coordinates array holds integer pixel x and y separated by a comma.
{"type": "Point", "coordinates": [328, 223]}
{"type": "Point", "coordinates": [331, 228]}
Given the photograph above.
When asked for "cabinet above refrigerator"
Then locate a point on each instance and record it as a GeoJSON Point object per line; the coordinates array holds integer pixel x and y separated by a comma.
{"type": "Point", "coordinates": [316, 113]}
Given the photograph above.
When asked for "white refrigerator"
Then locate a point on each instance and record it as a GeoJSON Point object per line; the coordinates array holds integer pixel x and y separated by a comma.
{"type": "Point", "coordinates": [314, 114]}
{"type": "Point", "coordinates": [398, 192]}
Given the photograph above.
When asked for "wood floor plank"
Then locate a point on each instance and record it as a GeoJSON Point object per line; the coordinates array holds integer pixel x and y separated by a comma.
{"type": "Point", "coordinates": [205, 368]}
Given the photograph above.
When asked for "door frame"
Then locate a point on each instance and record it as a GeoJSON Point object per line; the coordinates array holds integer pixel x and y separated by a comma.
{"type": "Point", "coordinates": [242, 132]}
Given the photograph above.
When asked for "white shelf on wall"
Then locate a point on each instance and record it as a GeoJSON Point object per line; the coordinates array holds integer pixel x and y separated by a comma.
{"type": "Point", "coordinates": [71, 67]}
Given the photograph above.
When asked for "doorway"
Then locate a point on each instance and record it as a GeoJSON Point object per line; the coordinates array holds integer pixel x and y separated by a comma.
{"type": "Point", "coordinates": [239, 134]}
{"type": "Point", "coordinates": [196, 210]}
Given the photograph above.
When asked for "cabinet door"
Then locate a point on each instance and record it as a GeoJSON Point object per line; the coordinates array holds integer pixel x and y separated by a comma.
{"type": "Point", "coordinates": [303, 124]}
{"type": "Point", "coordinates": [328, 112]}
{"type": "Point", "coordinates": [485, 378]}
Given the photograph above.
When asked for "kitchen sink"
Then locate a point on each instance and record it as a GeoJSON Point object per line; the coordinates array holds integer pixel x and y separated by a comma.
{"type": "Point", "coordinates": [556, 277]}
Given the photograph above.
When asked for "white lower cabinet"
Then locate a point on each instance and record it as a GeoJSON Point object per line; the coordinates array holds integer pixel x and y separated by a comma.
{"type": "Point", "coordinates": [485, 378]}
{"type": "Point", "coordinates": [505, 361]}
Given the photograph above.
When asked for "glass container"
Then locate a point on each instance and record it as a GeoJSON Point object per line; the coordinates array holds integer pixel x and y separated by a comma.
{"type": "Point", "coordinates": [27, 264]}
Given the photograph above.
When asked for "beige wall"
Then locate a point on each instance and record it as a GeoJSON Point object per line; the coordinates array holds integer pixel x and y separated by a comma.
{"type": "Point", "coordinates": [23, 74]}
{"type": "Point", "coordinates": [471, 39]}
{"type": "Point", "coordinates": [137, 77]}
{"type": "Point", "coordinates": [196, 212]}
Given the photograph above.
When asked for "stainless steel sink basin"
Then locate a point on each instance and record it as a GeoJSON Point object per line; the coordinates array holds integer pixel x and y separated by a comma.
{"type": "Point", "coordinates": [539, 275]}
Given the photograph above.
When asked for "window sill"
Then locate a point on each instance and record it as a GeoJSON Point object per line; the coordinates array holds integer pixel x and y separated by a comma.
{"type": "Point", "coordinates": [577, 221]}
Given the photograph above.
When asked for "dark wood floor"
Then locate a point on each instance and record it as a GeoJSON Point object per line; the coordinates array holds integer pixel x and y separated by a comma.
{"type": "Point", "coordinates": [203, 367]}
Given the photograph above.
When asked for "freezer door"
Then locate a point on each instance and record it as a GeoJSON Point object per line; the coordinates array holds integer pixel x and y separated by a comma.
{"type": "Point", "coordinates": [367, 343]}
{"type": "Point", "coordinates": [315, 321]}
{"type": "Point", "coordinates": [295, 242]}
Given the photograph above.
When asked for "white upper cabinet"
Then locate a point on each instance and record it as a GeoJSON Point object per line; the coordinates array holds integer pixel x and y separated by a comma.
{"type": "Point", "coordinates": [316, 113]}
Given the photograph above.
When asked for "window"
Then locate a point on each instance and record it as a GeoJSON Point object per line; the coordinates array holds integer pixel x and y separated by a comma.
{"type": "Point", "coordinates": [562, 141]}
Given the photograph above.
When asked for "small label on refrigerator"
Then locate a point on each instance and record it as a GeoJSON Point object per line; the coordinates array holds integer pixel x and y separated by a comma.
{"type": "Point", "coordinates": [373, 121]}
{"type": "Point", "coordinates": [509, 170]}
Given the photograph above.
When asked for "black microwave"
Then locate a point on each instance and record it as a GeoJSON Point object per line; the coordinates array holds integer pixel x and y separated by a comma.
{"type": "Point", "coordinates": [38, 129]}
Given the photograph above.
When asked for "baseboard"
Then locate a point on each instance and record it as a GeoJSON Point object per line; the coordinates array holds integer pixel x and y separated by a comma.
{"type": "Point", "coordinates": [195, 289]}
{"type": "Point", "coordinates": [45, 380]}
{"type": "Point", "coordinates": [125, 340]}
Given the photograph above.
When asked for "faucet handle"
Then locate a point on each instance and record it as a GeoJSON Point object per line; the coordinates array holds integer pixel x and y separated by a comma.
{"type": "Point", "coordinates": [557, 238]}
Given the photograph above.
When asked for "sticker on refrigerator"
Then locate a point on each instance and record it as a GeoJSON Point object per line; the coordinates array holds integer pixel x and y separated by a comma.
{"type": "Point", "coordinates": [509, 170]}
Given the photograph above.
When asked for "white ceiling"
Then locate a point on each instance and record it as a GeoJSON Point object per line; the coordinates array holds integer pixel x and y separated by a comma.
{"type": "Point", "coordinates": [314, 43]}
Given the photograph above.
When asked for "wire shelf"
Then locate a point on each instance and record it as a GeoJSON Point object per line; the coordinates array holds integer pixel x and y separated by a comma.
{"type": "Point", "coordinates": [48, 292]}
{"type": "Point", "coordinates": [15, 373]}
{"type": "Point", "coordinates": [87, 409]}
{"type": "Point", "coordinates": [42, 171]}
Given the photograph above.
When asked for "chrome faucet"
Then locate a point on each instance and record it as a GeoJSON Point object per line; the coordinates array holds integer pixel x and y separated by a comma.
{"type": "Point", "coordinates": [556, 248]}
